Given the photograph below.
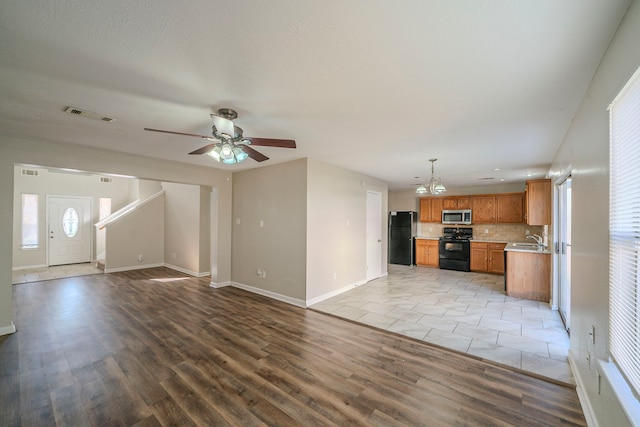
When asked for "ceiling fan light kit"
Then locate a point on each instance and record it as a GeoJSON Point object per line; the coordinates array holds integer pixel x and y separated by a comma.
{"type": "Point", "coordinates": [228, 145]}
{"type": "Point", "coordinates": [435, 186]}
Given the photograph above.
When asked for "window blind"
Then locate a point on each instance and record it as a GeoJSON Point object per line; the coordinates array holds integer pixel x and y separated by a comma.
{"type": "Point", "coordinates": [624, 231]}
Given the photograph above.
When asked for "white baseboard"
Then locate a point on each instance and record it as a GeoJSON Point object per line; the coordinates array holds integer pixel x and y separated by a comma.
{"type": "Point", "coordinates": [585, 402]}
{"type": "Point", "coordinates": [328, 295]}
{"type": "Point", "coordinates": [29, 267]}
{"type": "Point", "coordinates": [269, 294]}
{"type": "Point", "coordinates": [7, 330]}
{"type": "Point", "coordinates": [219, 285]}
{"type": "Point", "coordinates": [186, 271]}
{"type": "Point", "coordinates": [132, 267]}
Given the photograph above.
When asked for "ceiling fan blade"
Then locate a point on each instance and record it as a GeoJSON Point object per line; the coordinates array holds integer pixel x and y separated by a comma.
{"type": "Point", "coordinates": [180, 133]}
{"type": "Point", "coordinates": [223, 125]}
{"type": "Point", "coordinates": [255, 155]}
{"type": "Point", "coordinates": [203, 150]}
{"type": "Point", "coordinates": [272, 142]}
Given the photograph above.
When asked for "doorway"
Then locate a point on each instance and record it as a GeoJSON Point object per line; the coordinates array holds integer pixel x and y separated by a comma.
{"type": "Point", "coordinates": [564, 250]}
{"type": "Point", "coordinates": [374, 235]}
{"type": "Point", "coordinates": [69, 230]}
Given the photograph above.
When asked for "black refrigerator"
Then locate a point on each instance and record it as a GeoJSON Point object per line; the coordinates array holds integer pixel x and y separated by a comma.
{"type": "Point", "coordinates": [402, 230]}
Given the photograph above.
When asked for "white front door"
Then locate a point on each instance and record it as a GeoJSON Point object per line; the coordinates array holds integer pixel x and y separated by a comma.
{"type": "Point", "coordinates": [69, 234]}
{"type": "Point", "coordinates": [374, 235]}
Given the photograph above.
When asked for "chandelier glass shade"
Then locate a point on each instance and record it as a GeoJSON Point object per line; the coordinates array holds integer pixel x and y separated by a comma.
{"type": "Point", "coordinates": [227, 151]}
{"type": "Point", "coordinates": [434, 186]}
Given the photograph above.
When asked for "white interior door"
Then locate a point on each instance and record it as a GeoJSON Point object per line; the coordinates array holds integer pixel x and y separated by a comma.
{"type": "Point", "coordinates": [374, 235]}
{"type": "Point", "coordinates": [564, 251]}
{"type": "Point", "coordinates": [69, 234]}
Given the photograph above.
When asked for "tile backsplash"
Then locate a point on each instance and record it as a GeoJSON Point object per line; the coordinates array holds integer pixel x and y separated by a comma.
{"type": "Point", "coordinates": [496, 232]}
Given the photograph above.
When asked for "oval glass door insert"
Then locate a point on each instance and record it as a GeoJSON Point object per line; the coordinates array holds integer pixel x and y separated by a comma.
{"type": "Point", "coordinates": [70, 222]}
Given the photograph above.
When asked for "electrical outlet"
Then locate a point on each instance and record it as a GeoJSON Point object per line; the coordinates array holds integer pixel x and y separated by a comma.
{"type": "Point", "coordinates": [259, 272]}
{"type": "Point", "coordinates": [173, 255]}
{"type": "Point", "coordinates": [140, 258]}
{"type": "Point", "coordinates": [264, 274]}
{"type": "Point", "coordinates": [592, 334]}
{"type": "Point", "coordinates": [527, 232]}
{"type": "Point", "coordinates": [335, 275]}
{"type": "Point", "coordinates": [599, 379]}
{"type": "Point", "coordinates": [261, 223]}
{"type": "Point", "coordinates": [588, 360]}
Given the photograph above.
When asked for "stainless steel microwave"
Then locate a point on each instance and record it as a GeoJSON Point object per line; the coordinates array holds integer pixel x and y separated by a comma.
{"type": "Point", "coordinates": [458, 216]}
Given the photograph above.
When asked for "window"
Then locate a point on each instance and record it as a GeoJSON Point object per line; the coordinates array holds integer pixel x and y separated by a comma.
{"type": "Point", "coordinates": [70, 222]}
{"type": "Point", "coordinates": [29, 221]}
{"type": "Point", "coordinates": [624, 232]}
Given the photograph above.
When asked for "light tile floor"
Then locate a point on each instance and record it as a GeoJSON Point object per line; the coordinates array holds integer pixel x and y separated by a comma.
{"type": "Point", "coordinates": [54, 272]}
{"type": "Point", "coordinates": [468, 312]}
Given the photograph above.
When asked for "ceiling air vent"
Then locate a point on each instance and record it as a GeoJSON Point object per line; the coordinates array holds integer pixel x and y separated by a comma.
{"type": "Point", "coordinates": [29, 172]}
{"type": "Point", "coordinates": [88, 114]}
{"type": "Point", "coordinates": [103, 179]}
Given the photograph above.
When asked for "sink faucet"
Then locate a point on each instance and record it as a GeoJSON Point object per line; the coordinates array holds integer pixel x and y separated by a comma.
{"type": "Point", "coordinates": [537, 238]}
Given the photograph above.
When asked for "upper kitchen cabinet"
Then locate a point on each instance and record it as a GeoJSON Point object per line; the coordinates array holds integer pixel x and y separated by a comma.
{"type": "Point", "coordinates": [456, 203]}
{"type": "Point", "coordinates": [483, 209]}
{"type": "Point", "coordinates": [538, 202]}
{"type": "Point", "coordinates": [430, 209]}
{"type": "Point", "coordinates": [510, 208]}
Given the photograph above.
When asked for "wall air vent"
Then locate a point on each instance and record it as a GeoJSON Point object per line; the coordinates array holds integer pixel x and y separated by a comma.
{"type": "Point", "coordinates": [88, 114]}
{"type": "Point", "coordinates": [29, 172]}
{"type": "Point", "coordinates": [104, 179]}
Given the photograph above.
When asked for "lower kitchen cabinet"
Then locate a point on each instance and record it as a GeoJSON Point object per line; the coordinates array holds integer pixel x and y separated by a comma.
{"type": "Point", "coordinates": [427, 252]}
{"type": "Point", "coordinates": [487, 257]}
{"type": "Point", "coordinates": [529, 275]}
{"type": "Point", "coordinates": [496, 258]}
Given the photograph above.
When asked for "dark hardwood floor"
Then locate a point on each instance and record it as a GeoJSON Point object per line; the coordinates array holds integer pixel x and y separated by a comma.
{"type": "Point", "coordinates": [155, 348]}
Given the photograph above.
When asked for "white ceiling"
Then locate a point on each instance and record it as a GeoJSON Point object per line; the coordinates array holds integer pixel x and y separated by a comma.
{"type": "Point", "coordinates": [375, 86]}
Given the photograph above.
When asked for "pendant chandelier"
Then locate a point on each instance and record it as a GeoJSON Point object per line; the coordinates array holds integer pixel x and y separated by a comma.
{"type": "Point", "coordinates": [435, 185]}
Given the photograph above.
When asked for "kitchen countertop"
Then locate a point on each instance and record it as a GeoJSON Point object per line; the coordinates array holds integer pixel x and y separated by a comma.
{"type": "Point", "coordinates": [520, 247]}
{"type": "Point", "coordinates": [510, 246]}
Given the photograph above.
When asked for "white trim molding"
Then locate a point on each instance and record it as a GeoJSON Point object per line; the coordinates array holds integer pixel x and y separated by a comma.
{"type": "Point", "coordinates": [8, 330]}
{"type": "Point", "coordinates": [133, 267]}
{"type": "Point", "coordinates": [219, 285]}
{"type": "Point", "coordinates": [585, 402]}
{"type": "Point", "coordinates": [186, 271]}
{"type": "Point", "coordinates": [328, 295]}
{"type": "Point", "coordinates": [269, 294]}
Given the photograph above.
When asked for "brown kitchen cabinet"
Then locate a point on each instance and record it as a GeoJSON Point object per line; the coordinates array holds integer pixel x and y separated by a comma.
{"type": "Point", "coordinates": [483, 209]}
{"type": "Point", "coordinates": [487, 257]}
{"type": "Point", "coordinates": [510, 208]}
{"type": "Point", "coordinates": [456, 203]}
{"type": "Point", "coordinates": [427, 252]}
{"type": "Point", "coordinates": [479, 256]}
{"type": "Point", "coordinates": [529, 275]}
{"type": "Point", "coordinates": [538, 202]}
{"type": "Point", "coordinates": [496, 258]}
{"type": "Point", "coordinates": [430, 209]}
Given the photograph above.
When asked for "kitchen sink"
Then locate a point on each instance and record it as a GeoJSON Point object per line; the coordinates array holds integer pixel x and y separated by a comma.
{"type": "Point", "coordinates": [526, 245]}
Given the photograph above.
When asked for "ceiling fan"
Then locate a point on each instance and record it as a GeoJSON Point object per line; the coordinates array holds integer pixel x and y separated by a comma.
{"type": "Point", "coordinates": [228, 143]}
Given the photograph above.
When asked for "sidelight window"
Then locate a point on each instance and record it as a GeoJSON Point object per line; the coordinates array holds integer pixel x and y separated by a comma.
{"type": "Point", "coordinates": [624, 232]}
{"type": "Point", "coordinates": [29, 221]}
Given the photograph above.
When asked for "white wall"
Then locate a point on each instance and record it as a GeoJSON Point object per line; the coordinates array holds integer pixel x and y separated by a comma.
{"type": "Point", "coordinates": [276, 197]}
{"type": "Point", "coordinates": [139, 233]}
{"type": "Point", "coordinates": [186, 228]}
{"type": "Point", "coordinates": [59, 155]}
{"type": "Point", "coordinates": [585, 151]}
{"type": "Point", "coordinates": [337, 228]}
{"type": "Point", "coordinates": [58, 184]}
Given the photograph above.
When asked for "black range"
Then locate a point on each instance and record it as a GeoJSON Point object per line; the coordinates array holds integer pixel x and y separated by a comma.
{"type": "Point", "coordinates": [455, 248]}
